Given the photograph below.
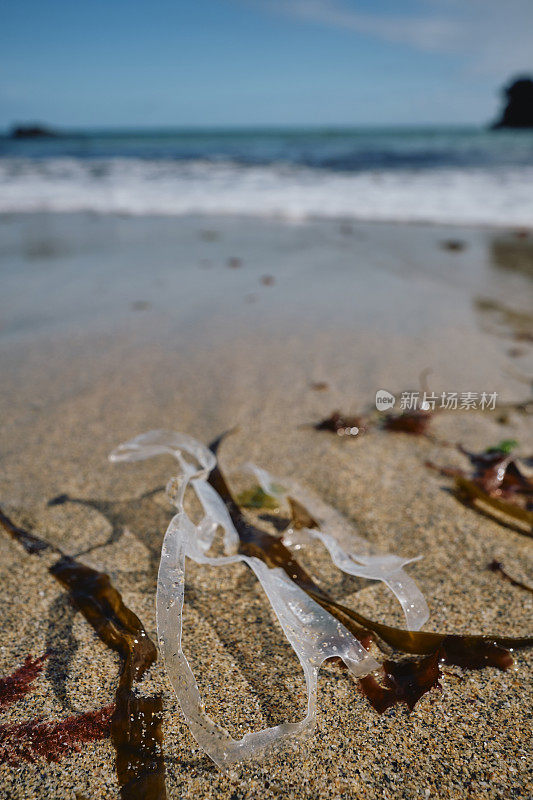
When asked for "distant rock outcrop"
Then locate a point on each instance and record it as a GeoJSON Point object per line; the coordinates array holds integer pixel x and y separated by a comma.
{"type": "Point", "coordinates": [31, 132]}
{"type": "Point", "coordinates": [518, 112]}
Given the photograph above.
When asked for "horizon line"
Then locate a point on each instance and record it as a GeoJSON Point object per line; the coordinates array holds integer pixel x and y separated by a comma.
{"type": "Point", "coordinates": [64, 131]}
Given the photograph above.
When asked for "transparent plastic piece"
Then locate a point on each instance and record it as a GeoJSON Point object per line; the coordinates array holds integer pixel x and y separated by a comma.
{"type": "Point", "coordinates": [314, 634]}
{"type": "Point", "coordinates": [331, 526]}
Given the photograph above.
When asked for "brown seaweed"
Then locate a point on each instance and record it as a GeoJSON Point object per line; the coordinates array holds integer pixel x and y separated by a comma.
{"type": "Point", "coordinates": [31, 543]}
{"type": "Point", "coordinates": [412, 422]}
{"type": "Point", "coordinates": [341, 425]}
{"type": "Point", "coordinates": [473, 651]}
{"type": "Point", "coordinates": [474, 494]}
{"type": "Point", "coordinates": [496, 482]}
{"type": "Point", "coordinates": [448, 472]}
{"type": "Point", "coordinates": [402, 682]}
{"type": "Point", "coordinates": [497, 472]}
{"type": "Point", "coordinates": [407, 680]}
{"type": "Point", "coordinates": [136, 724]}
{"type": "Point", "coordinates": [470, 651]}
{"type": "Point", "coordinates": [259, 543]}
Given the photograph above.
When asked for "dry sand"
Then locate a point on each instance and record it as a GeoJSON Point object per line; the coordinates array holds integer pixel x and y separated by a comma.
{"type": "Point", "coordinates": [114, 326]}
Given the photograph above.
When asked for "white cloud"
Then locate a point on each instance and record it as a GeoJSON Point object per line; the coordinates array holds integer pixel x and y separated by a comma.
{"type": "Point", "coordinates": [492, 36]}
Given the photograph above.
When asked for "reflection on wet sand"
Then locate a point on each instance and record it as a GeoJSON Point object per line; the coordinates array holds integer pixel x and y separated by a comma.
{"type": "Point", "coordinates": [513, 252]}
{"type": "Point", "coordinates": [510, 253]}
{"type": "Point", "coordinates": [502, 320]}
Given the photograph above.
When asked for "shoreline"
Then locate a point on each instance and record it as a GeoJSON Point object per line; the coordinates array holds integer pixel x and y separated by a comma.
{"type": "Point", "coordinates": [275, 218]}
{"type": "Point", "coordinates": [194, 216]}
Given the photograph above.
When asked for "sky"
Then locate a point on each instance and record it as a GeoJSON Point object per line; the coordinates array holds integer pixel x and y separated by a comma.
{"type": "Point", "coordinates": [114, 63]}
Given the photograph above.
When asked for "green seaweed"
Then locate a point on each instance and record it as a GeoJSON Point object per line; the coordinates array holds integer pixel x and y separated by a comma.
{"type": "Point", "coordinates": [257, 498]}
{"type": "Point", "coordinates": [506, 446]}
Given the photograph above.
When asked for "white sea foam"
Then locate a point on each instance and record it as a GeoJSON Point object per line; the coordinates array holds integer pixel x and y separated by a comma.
{"type": "Point", "coordinates": [476, 195]}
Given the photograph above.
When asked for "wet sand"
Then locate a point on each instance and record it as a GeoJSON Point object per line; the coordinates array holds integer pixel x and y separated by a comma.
{"type": "Point", "coordinates": [112, 326]}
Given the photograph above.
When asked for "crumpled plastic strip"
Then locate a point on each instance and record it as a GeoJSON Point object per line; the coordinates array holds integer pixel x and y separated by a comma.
{"type": "Point", "coordinates": [314, 634]}
{"type": "Point", "coordinates": [387, 567]}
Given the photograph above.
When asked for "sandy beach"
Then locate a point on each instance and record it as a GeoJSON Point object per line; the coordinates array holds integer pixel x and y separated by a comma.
{"type": "Point", "coordinates": [114, 325]}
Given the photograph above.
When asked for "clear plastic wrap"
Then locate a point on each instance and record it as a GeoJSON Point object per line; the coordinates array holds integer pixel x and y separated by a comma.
{"type": "Point", "coordinates": [314, 634]}
{"type": "Point", "coordinates": [329, 527]}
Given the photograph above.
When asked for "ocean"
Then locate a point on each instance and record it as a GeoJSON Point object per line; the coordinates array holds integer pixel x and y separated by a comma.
{"type": "Point", "coordinates": [468, 176]}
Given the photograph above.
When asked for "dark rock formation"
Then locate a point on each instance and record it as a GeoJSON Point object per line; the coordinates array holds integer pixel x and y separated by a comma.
{"type": "Point", "coordinates": [31, 132]}
{"type": "Point", "coordinates": [518, 112]}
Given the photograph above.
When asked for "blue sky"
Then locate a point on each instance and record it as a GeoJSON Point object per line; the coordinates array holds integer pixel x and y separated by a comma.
{"type": "Point", "coordinates": [259, 62]}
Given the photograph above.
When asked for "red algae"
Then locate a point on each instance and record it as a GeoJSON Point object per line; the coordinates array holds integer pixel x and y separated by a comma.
{"type": "Point", "coordinates": [20, 683]}
{"type": "Point", "coordinates": [134, 722]}
{"type": "Point", "coordinates": [38, 738]}
{"type": "Point", "coordinates": [27, 741]}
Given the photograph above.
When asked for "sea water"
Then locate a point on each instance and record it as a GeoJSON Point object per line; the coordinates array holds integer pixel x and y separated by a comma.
{"type": "Point", "coordinates": [443, 175]}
